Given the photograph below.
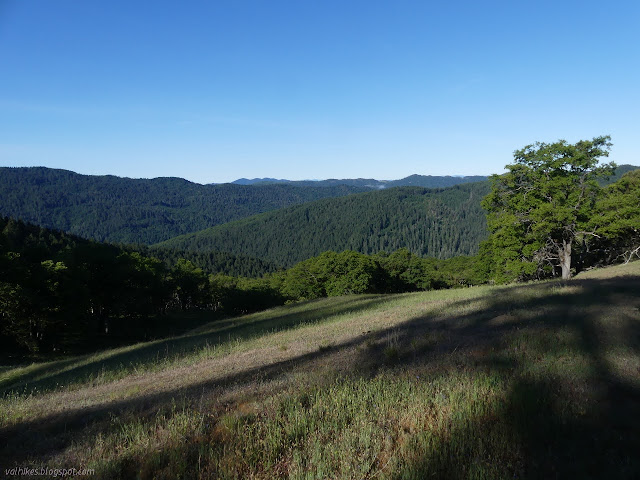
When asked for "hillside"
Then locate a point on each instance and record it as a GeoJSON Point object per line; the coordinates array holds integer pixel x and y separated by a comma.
{"type": "Point", "coordinates": [125, 210]}
{"type": "Point", "coordinates": [525, 381]}
{"type": "Point", "coordinates": [620, 171]}
{"type": "Point", "coordinates": [440, 223]}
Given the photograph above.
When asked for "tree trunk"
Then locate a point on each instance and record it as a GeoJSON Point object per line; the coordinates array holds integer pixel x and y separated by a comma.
{"type": "Point", "coordinates": [565, 260]}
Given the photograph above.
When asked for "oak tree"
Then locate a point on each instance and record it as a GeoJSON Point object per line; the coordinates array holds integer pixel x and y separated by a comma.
{"type": "Point", "coordinates": [541, 207]}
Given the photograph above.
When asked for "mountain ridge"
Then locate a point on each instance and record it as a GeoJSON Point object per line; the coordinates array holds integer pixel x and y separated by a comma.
{"type": "Point", "coordinates": [426, 181]}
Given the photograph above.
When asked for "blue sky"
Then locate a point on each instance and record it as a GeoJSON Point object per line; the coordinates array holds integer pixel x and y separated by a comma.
{"type": "Point", "coordinates": [216, 90]}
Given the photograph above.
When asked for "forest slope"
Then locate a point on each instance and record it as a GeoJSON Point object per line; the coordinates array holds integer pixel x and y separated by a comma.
{"type": "Point", "coordinates": [440, 223]}
{"type": "Point", "coordinates": [126, 210]}
{"type": "Point", "coordinates": [525, 381]}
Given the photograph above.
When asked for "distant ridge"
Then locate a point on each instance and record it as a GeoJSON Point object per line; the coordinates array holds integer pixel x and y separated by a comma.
{"type": "Point", "coordinates": [425, 181]}
{"type": "Point", "coordinates": [253, 181]}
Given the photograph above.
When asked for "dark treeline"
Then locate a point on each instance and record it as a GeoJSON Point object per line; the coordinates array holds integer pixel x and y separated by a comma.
{"type": "Point", "coordinates": [125, 210]}
{"type": "Point", "coordinates": [61, 293]}
{"type": "Point", "coordinates": [211, 262]}
{"type": "Point", "coordinates": [439, 223]}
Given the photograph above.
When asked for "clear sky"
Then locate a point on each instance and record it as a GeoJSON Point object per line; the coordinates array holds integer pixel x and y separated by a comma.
{"type": "Point", "coordinates": [216, 90]}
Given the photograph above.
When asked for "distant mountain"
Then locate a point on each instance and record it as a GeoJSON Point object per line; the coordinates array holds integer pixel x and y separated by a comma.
{"type": "Point", "coordinates": [429, 181]}
{"type": "Point", "coordinates": [253, 181]}
{"type": "Point", "coordinates": [125, 210]}
{"type": "Point", "coordinates": [438, 222]}
{"type": "Point", "coordinates": [426, 181]}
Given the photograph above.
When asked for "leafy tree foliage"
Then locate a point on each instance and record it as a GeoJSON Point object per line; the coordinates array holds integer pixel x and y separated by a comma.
{"type": "Point", "coordinates": [349, 272]}
{"type": "Point", "coordinates": [406, 272]}
{"type": "Point", "coordinates": [542, 206]}
{"type": "Point", "coordinates": [331, 274]}
{"type": "Point", "coordinates": [617, 219]}
{"type": "Point", "coordinates": [190, 284]}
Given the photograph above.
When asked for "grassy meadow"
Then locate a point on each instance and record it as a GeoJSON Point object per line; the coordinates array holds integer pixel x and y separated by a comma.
{"type": "Point", "coordinates": [538, 380]}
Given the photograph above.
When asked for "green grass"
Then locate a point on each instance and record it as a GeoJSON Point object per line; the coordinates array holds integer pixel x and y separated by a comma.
{"type": "Point", "coordinates": [526, 381]}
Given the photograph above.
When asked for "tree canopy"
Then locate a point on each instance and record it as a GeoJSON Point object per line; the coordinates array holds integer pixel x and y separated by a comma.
{"type": "Point", "coordinates": [542, 206]}
{"type": "Point", "coordinates": [617, 218]}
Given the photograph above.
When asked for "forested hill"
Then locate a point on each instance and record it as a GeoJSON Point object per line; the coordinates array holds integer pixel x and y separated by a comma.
{"type": "Point", "coordinates": [114, 209]}
{"type": "Point", "coordinates": [440, 223]}
{"type": "Point", "coordinates": [620, 170]}
{"type": "Point", "coordinates": [427, 181]}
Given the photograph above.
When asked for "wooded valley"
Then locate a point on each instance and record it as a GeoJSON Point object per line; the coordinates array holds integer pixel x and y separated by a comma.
{"type": "Point", "coordinates": [61, 292]}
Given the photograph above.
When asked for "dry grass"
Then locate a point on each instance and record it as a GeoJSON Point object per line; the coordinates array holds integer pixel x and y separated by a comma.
{"type": "Point", "coordinates": [536, 380]}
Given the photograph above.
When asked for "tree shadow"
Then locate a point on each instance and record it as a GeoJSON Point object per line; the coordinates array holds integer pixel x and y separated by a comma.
{"type": "Point", "coordinates": [560, 426]}
{"type": "Point", "coordinates": [58, 431]}
{"type": "Point", "coordinates": [535, 440]}
{"type": "Point", "coordinates": [136, 357]}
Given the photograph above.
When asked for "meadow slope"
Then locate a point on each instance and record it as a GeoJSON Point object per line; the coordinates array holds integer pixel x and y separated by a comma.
{"type": "Point", "coordinates": [538, 380]}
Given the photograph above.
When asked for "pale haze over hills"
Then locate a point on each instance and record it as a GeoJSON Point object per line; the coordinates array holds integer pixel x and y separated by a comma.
{"type": "Point", "coordinates": [428, 181]}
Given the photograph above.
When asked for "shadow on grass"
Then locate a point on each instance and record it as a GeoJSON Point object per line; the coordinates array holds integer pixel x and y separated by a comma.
{"type": "Point", "coordinates": [529, 436]}
{"type": "Point", "coordinates": [550, 425]}
{"type": "Point", "coordinates": [558, 425]}
{"type": "Point", "coordinates": [88, 367]}
{"type": "Point", "coordinates": [58, 431]}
